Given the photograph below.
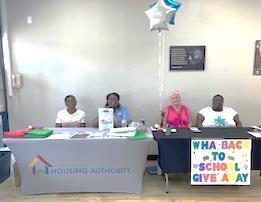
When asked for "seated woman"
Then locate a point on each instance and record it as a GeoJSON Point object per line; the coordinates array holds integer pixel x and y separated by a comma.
{"type": "Point", "coordinates": [217, 115]}
{"type": "Point", "coordinates": [176, 114]}
{"type": "Point", "coordinates": [119, 112]}
{"type": "Point", "coordinates": [70, 117]}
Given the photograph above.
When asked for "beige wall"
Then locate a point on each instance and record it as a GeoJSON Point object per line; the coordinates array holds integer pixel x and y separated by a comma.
{"type": "Point", "coordinates": [92, 47]}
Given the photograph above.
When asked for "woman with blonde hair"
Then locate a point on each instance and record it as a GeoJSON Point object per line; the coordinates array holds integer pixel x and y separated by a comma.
{"type": "Point", "coordinates": [176, 114]}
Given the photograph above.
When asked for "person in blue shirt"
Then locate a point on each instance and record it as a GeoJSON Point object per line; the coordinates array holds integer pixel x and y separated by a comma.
{"type": "Point", "coordinates": [121, 114]}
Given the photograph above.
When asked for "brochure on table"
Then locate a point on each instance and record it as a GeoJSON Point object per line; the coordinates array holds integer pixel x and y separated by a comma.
{"type": "Point", "coordinates": [105, 118]}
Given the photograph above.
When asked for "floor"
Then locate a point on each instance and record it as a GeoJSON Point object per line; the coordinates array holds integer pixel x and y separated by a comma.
{"type": "Point", "coordinates": [153, 190]}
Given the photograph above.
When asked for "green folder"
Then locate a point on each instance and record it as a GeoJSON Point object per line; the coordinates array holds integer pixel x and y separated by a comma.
{"type": "Point", "coordinates": [41, 133]}
{"type": "Point", "coordinates": [138, 136]}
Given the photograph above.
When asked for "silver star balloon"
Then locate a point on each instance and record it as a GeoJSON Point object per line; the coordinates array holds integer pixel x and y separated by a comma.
{"type": "Point", "coordinates": [159, 16]}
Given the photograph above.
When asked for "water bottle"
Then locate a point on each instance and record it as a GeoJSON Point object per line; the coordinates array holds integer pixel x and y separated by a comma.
{"type": "Point", "coordinates": [168, 130]}
{"type": "Point", "coordinates": [124, 121]}
{"type": "Point", "coordinates": [142, 122]}
{"type": "Point", "coordinates": [142, 126]}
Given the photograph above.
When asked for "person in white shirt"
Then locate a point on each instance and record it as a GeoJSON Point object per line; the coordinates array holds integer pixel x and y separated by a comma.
{"type": "Point", "coordinates": [71, 116]}
{"type": "Point", "coordinates": [218, 115]}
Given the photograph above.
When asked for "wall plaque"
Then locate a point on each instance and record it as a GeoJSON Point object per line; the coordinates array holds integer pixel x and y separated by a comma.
{"type": "Point", "coordinates": [187, 58]}
{"type": "Point", "coordinates": [257, 65]}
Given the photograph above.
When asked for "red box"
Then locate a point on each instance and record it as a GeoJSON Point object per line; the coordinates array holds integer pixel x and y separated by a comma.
{"type": "Point", "coordinates": [16, 133]}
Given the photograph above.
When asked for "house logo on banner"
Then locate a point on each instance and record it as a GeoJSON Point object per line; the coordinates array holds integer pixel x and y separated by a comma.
{"type": "Point", "coordinates": [42, 169]}
{"type": "Point", "coordinates": [41, 166]}
{"type": "Point", "coordinates": [225, 162]}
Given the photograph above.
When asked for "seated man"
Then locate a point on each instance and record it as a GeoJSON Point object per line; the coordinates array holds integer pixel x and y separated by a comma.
{"type": "Point", "coordinates": [121, 113]}
{"type": "Point", "coordinates": [70, 117]}
{"type": "Point", "coordinates": [217, 115]}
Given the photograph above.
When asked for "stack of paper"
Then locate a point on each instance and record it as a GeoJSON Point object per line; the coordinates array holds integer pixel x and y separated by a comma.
{"type": "Point", "coordinates": [159, 129]}
{"type": "Point", "coordinates": [195, 129]}
{"type": "Point", "coordinates": [16, 133]}
{"type": "Point", "coordinates": [4, 149]}
{"type": "Point", "coordinates": [97, 135]}
{"type": "Point", "coordinates": [255, 134]}
{"type": "Point", "coordinates": [123, 132]}
{"type": "Point", "coordinates": [153, 129]}
{"type": "Point", "coordinates": [60, 136]}
{"type": "Point", "coordinates": [256, 127]}
{"type": "Point", "coordinates": [81, 134]}
{"type": "Point", "coordinates": [126, 134]}
{"type": "Point", "coordinates": [41, 133]}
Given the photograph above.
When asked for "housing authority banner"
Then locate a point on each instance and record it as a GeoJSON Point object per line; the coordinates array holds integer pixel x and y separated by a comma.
{"type": "Point", "coordinates": [220, 161]}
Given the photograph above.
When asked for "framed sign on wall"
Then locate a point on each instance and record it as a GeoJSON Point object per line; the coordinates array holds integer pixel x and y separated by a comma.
{"type": "Point", "coordinates": [187, 58]}
{"type": "Point", "coordinates": [257, 64]}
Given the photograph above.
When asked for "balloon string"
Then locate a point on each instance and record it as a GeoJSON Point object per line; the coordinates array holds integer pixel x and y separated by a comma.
{"type": "Point", "coordinates": [161, 67]}
{"type": "Point", "coordinates": [161, 72]}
